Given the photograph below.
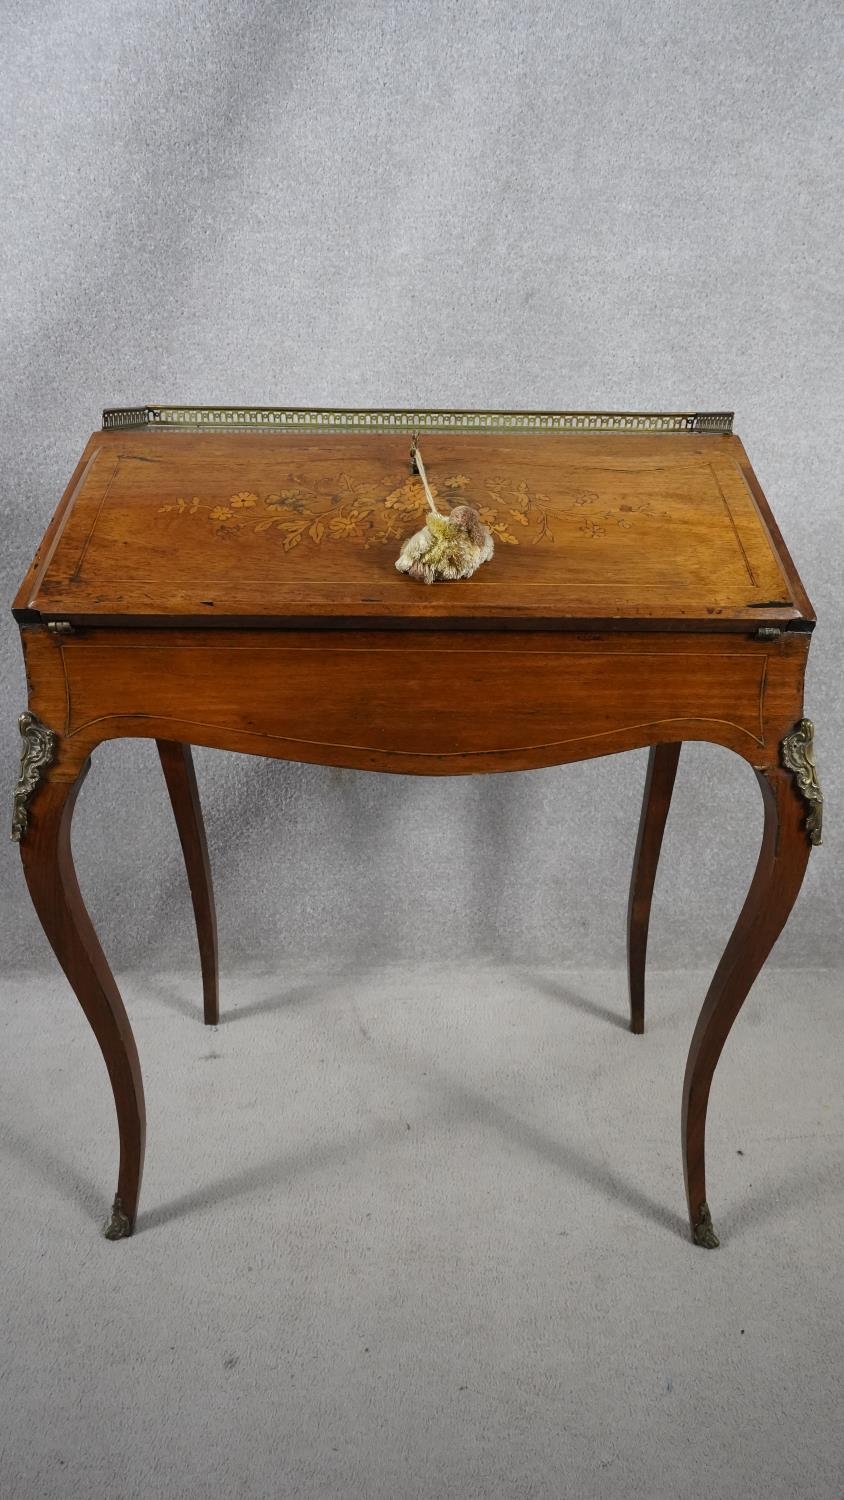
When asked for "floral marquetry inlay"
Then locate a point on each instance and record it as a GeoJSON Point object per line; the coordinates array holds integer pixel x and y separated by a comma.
{"type": "Point", "coordinates": [348, 508]}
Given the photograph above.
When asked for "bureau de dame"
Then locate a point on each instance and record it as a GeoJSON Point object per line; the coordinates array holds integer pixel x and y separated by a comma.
{"type": "Point", "coordinates": [226, 577]}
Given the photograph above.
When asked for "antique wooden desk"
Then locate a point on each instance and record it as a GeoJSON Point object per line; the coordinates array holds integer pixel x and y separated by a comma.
{"type": "Point", "coordinates": [227, 578]}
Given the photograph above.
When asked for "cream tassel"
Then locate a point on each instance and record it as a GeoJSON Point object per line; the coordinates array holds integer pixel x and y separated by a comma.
{"type": "Point", "coordinates": [449, 546]}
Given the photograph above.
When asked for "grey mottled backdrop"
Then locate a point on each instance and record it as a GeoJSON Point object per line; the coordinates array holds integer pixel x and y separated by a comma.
{"type": "Point", "coordinates": [600, 204]}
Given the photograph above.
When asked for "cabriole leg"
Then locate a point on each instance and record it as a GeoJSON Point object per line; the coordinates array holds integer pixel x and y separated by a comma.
{"type": "Point", "coordinates": [177, 764]}
{"type": "Point", "coordinates": [659, 784]}
{"type": "Point", "coordinates": [43, 815]}
{"type": "Point", "coordinates": [792, 825]}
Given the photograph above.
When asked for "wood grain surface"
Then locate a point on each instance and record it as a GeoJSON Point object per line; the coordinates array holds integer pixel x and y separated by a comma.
{"type": "Point", "coordinates": [239, 527]}
{"type": "Point", "coordinates": [451, 703]}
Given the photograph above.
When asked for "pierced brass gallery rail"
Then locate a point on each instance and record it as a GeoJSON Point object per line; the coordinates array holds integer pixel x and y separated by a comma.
{"type": "Point", "coordinates": [339, 419]}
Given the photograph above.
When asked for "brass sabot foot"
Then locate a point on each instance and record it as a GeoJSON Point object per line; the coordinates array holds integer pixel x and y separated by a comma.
{"type": "Point", "coordinates": [118, 1226]}
{"type": "Point", "coordinates": [703, 1232]}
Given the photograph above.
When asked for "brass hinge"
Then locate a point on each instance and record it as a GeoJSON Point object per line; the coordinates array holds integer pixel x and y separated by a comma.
{"type": "Point", "coordinates": [59, 627]}
{"type": "Point", "coordinates": [768, 633]}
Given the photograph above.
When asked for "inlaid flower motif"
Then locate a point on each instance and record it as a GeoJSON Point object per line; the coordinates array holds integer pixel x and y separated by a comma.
{"type": "Point", "coordinates": [343, 526]}
{"type": "Point", "coordinates": [500, 530]}
{"type": "Point", "coordinates": [348, 508]}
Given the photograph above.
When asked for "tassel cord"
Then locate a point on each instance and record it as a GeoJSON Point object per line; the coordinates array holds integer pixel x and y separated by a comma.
{"type": "Point", "coordinates": [420, 469]}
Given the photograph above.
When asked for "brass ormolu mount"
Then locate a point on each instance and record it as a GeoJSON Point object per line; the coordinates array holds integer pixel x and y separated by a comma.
{"type": "Point", "coordinates": [37, 751]}
{"type": "Point", "coordinates": [798, 756]}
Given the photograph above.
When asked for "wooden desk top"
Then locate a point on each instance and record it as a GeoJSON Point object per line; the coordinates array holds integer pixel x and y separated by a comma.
{"type": "Point", "coordinates": [228, 525]}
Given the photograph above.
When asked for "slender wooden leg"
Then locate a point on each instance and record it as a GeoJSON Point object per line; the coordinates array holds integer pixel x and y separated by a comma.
{"type": "Point", "coordinates": [659, 784]}
{"type": "Point", "coordinates": [177, 764]}
{"type": "Point", "coordinates": [51, 877]}
{"type": "Point", "coordinates": [786, 843]}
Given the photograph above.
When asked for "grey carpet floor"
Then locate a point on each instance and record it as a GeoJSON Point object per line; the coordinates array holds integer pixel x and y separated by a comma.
{"type": "Point", "coordinates": [420, 1233]}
